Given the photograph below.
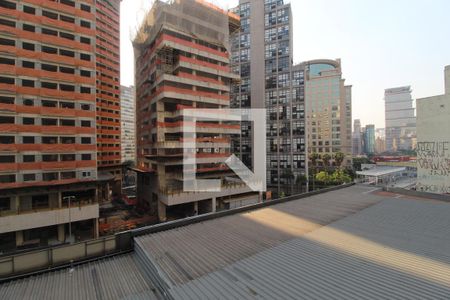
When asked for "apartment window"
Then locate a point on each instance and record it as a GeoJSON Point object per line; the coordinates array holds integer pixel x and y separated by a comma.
{"type": "Point", "coordinates": [50, 176]}
{"type": "Point", "coordinates": [7, 80]}
{"type": "Point", "coordinates": [66, 87]}
{"type": "Point", "coordinates": [86, 174]}
{"type": "Point", "coordinates": [28, 64]}
{"type": "Point", "coordinates": [7, 42]}
{"type": "Point", "coordinates": [7, 100]}
{"type": "Point", "coordinates": [49, 85]}
{"type": "Point", "coordinates": [50, 157]}
{"type": "Point", "coordinates": [68, 2]}
{"type": "Point", "coordinates": [7, 139]}
{"type": "Point", "coordinates": [29, 177]}
{"type": "Point", "coordinates": [49, 103]}
{"type": "Point", "coordinates": [28, 27]}
{"type": "Point", "coordinates": [67, 140]}
{"type": "Point", "coordinates": [67, 157]}
{"type": "Point", "coordinates": [86, 57]}
{"type": "Point", "coordinates": [7, 61]}
{"type": "Point", "coordinates": [85, 123]}
{"type": "Point", "coordinates": [67, 70]}
{"type": "Point", "coordinates": [50, 50]}
{"type": "Point", "coordinates": [5, 202]}
{"type": "Point", "coordinates": [86, 157]}
{"type": "Point", "coordinates": [67, 105]}
{"type": "Point", "coordinates": [50, 68]}
{"type": "Point", "coordinates": [85, 73]}
{"type": "Point", "coordinates": [7, 159]}
{"type": "Point", "coordinates": [29, 158]}
{"type": "Point", "coordinates": [7, 23]}
{"type": "Point", "coordinates": [28, 121]}
{"type": "Point", "coordinates": [85, 40]}
{"type": "Point", "coordinates": [85, 140]}
{"type": "Point", "coordinates": [65, 122]}
{"type": "Point", "coordinates": [68, 175]}
{"type": "Point", "coordinates": [85, 7]}
{"type": "Point", "coordinates": [49, 140]}
{"type": "Point", "coordinates": [6, 120]}
{"type": "Point", "coordinates": [29, 10]}
{"type": "Point", "coordinates": [66, 35]}
{"type": "Point", "coordinates": [49, 31]}
{"type": "Point", "coordinates": [7, 178]}
{"type": "Point", "coordinates": [49, 122]}
{"type": "Point", "coordinates": [85, 24]}
{"type": "Point", "coordinates": [85, 90]}
{"type": "Point", "coordinates": [7, 4]}
{"type": "Point", "coordinates": [66, 19]}
{"type": "Point", "coordinates": [28, 102]}
{"type": "Point", "coordinates": [50, 14]}
{"type": "Point", "coordinates": [85, 107]}
{"type": "Point", "coordinates": [28, 140]}
{"type": "Point", "coordinates": [67, 53]}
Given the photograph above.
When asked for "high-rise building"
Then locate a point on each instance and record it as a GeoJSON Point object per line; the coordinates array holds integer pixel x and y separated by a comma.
{"type": "Point", "coordinates": [107, 61]}
{"type": "Point", "coordinates": [357, 143]}
{"type": "Point", "coordinates": [48, 163]}
{"type": "Point", "coordinates": [128, 123]}
{"type": "Point", "coordinates": [369, 142]}
{"type": "Point", "coordinates": [182, 62]}
{"type": "Point", "coordinates": [262, 54]}
{"type": "Point", "coordinates": [433, 141]}
{"type": "Point", "coordinates": [380, 140]}
{"type": "Point", "coordinates": [400, 119]}
{"type": "Point", "coordinates": [328, 109]}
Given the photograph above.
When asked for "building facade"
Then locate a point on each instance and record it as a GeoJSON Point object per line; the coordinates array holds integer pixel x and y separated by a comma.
{"type": "Point", "coordinates": [128, 123]}
{"type": "Point", "coordinates": [380, 140]}
{"type": "Point", "coordinates": [357, 135]}
{"type": "Point", "coordinates": [262, 54]}
{"type": "Point", "coordinates": [433, 141]}
{"type": "Point", "coordinates": [400, 120]}
{"type": "Point", "coordinates": [49, 182]}
{"type": "Point", "coordinates": [369, 139]}
{"type": "Point", "coordinates": [182, 63]}
{"type": "Point", "coordinates": [328, 109]}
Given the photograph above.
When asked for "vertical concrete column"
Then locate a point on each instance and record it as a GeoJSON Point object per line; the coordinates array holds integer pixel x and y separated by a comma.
{"type": "Point", "coordinates": [95, 228]}
{"type": "Point", "coordinates": [15, 203]}
{"type": "Point", "coordinates": [61, 233]}
{"type": "Point", "coordinates": [59, 199]}
{"type": "Point", "coordinates": [260, 197]}
{"type": "Point", "coordinates": [447, 79]}
{"type": "Point", "coordinates": [162, 212]}
{"type": "Point", "coordinates": [213, 204]}
{"type": "Point", "coordinates": [196, 208]}
{"type": "Point", "coordinates": [19, 238]}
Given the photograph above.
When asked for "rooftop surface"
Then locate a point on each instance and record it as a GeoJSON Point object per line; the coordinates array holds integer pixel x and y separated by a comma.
{"type": "Point", "coordinates": [353, 243]}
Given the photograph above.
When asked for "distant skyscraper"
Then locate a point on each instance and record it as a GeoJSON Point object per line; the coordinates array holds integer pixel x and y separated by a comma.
{"type": "Point", "coordinates": [357, 142]}
{"type": "Point", "coordinates": [369, 142]}
{"type": "Point", "coordinates": [128, 123]}
{"type": "Point", "coordinates": [380, 140]}
{"type": "Point", "coordinates": [400, 119]}
{"type": "Point", "coordinates": [328, 109]}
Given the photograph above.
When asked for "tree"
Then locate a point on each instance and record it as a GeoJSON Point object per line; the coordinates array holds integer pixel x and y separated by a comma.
{"type": "Point", "coordinates": [339, 159]}
{"type": "Point", "coordinates": [340, 176]}
{"type": "Point", "coordinates": [326, 158]}
{"type": "Point", "coordinates": [323, 177]}
{"type": "Point", "coordinates": [300, 181]}
{"type": "Point", "coordinates": [314, 157]}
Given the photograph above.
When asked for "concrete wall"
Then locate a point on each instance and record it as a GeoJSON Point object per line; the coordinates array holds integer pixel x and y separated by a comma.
{"type": "Point", "coordinates": [447, 79]}
{"type": "Point", "coordinates": [433, 144]}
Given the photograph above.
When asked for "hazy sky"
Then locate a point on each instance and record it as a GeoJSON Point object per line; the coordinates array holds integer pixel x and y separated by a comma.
{"type": "Point", "coordinates": [382, 44]}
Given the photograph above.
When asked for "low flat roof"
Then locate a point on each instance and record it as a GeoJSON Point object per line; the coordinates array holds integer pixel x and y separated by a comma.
{"type": "Point", "coordinates": [381, 171]}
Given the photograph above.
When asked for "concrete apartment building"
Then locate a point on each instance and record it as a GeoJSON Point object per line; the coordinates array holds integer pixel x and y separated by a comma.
{"type": "Point", "coordinates": [328, 109]}
{"type": "Point", "coordinates": [262, 54]}
{"type": "Point", "coordinates": [400, 119]}
{"type": "Point", "coordinates": [433, 141]}
{"type": "Point", "coordinates": [49, 181]}
{"type": "Point", "coordinates": [107, 61]}
{"type": "Point", "coordinates": [182, 61]}
{"type": "Point", "coordinates": [357, 136]}
{"type": "Point", "coordinates": [128, 123]}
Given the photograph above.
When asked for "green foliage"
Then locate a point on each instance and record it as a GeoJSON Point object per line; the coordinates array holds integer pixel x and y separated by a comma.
{"type": "Point", "coordinates": [337, 177]}
{"type": "Point", "coordinates": [326, 159]}
{"type": "Point", "coordinates": [314, 157]}
{"type": "Point", "coordinates": [357, 161]}
{"type": "Point", "coordinates": [339, 158]}
{"type": "Point", "coordinates": [323, 177]}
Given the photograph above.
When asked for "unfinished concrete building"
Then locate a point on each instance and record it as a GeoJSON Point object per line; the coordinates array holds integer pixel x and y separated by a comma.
{"type": "Point", "coordinates": [182, 62]}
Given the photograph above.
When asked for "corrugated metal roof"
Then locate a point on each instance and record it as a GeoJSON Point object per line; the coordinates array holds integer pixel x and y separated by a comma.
{"type": "Point", "coordinates": [114, 278]}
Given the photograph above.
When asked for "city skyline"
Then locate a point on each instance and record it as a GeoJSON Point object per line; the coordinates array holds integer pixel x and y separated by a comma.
{"type": "Point", "coordinates": [375, 41]}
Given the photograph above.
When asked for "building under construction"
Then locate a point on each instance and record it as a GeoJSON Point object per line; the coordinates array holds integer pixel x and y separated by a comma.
{"type": "Point", "coordinates": [182, 62]}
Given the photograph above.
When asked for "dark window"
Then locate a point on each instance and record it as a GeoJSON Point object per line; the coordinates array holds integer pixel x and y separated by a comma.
{"type": "Point", "coordinates": [7, 178]}
{"type": "Point", "coordinates": [29, 10]}
{"type": "Point", "coordinates": [85, 57]}
{"type": "Point", "coordinates": [7, 23]}
{"type": "Point", "coordinates": [6, 120]}
{"type": "Point", "coordinates": [7, 159]}
{"type": "Point", "coordinates": [7, 80]}
{"type": "Point", "coordinates": [7, 4]}
{"type": "Point", "coordinates": [85, 73]}
{"type": "Point", "coordinates": [28, 102]}
{"type": "Point", "coordinates": [68, 2]}
{"type": "Point", "coordinates": [7, 139]}
{"type": "Point", "coordinates": [7, 100]}
{"type": "Point", "coordinates": [49, 103]}
{"type": "Point", "coordinates": [29, 158]}
{"type": "Point", "coordinates": [50, 50]}
{"type": "Point", "coordinates": [66, 35]}
{"type": "Point", "coordinates": [85, 123]}
{"type": "Point", "coordinates": [68, 175]}
{"type": "Point", "coordinates": [28, 121]}
{"type": "Point", "coordinates": [7, 42]}
{"type": "Point", "coordinates": [67, 70]}
{"type": "Point", "coordinates": [67, 105]}
{"type": "Point", "coordinates": [50, 68]}
{"type": "Point", "coordinates": [49, 140]}
{"type": "Point", "coordinates": [66, 19]}
{"type": "Point", "coordinates": [85, 40]}
{"type": "Point", "coordinates": [28, 64]}
{"type": "Point", "coordinates": [67, 140]}
{"type": "Point", "coordinates": [49, 122]}
{"type": "Point", "coordinates": [67, 157]}
{"type": "Point", "coordinates": [66, 87]}
{"type": "Point", "coordinates": [86, 157]}
{"type": "Point", "coordinates": [40, 201]}
{"type": "Point", "coordinates": [29, 177]}
{"type": "Point", "coordinates": [50, 157]}
{"type": "Point", "coordinates": [85, 7]}
{"type": "Point", "coordinates": [65, 122]}
{"type": "Point", "coordinates": [28, 139]}
{"type": "Point", "coordinates": [5, 202]}
{"type": "Point", "coordinates": [85, 140]}
{"type": "Point", "coordinates": [29, 28]}
{"type": "Point", "coordinates": [7, 61]}
{"type": "Point", "coordinates": [50, 14]}
{"type": "Point", "coordinates": [49, 85]}
{"type": "Point", "coordinates": [85, 90]}
{"type": "Point", "coordinates": [28, 83]}
{"type": "Point", "coordinates": [50, 176]}
{"type": "Point", "coordinates": [85, 107]}
{"type": "Point", "coordinates": [67, 53]}
{"type": "Point", "coordinates": [85, 24]}
{"type": "Point", "coordinates": [49, 31]}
